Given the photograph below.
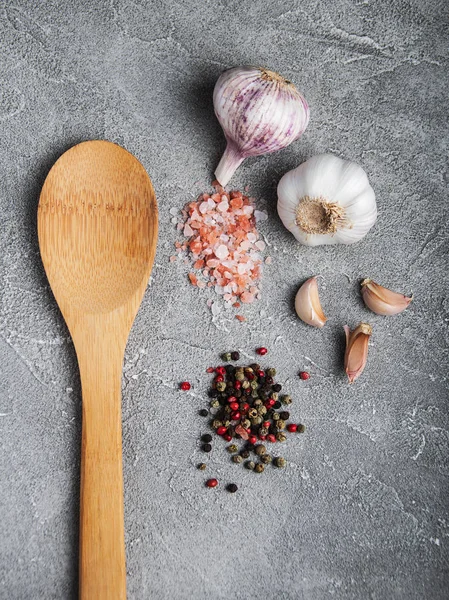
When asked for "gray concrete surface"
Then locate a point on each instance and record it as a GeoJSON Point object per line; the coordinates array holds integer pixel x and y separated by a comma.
{"type": "Point", "coordinates": [362, 509]}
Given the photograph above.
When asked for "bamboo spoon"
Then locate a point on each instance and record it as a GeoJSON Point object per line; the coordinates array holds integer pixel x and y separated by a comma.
{"type": "Point", "coordinates": [97, 226]}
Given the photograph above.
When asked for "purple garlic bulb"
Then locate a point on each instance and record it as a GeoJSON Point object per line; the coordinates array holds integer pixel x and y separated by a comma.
{"type": "Point", "coordinates": [259, 112]}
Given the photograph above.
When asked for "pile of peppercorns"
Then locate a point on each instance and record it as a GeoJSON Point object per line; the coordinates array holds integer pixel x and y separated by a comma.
{"type": "Point", "coordinates": [245, 401]}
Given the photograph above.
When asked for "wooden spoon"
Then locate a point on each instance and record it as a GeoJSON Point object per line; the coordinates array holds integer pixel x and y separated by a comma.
{"type": "Point", "coordinates": [97, 227]}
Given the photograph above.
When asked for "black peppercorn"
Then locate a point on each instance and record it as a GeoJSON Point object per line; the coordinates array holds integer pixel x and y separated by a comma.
{"type": "Point", "coordinates": [244, 453]}
{"type": "Point", "coordinates": [207, 448]}
{"type": "Point", "coordinates": [277, 387]}
{"type": "Point", "coordinates": [235, 355]}
{"type": "Point", "coordinates": [238, 393]}
{"type": "Point", "coordinates": [269, 381]}
{"type": "Point", "coordinates": [203, 412]}
{"type": "Point", "coordinates": [255, 367]}
{"type": "Point", "coordinates": [213, 393]}
{"type": "Point", "coordinates": [232, 487]}
{"type": "Point", "coordinates": [207, 438]}
{"type": "Point", "coordinates": [230, 369]}
{"type": "Point", "coordinates": [277, 405]}
{"type": "Point", "coordinates": [285, 415]}
{"type": "Point", "coordinates": [202, 466]}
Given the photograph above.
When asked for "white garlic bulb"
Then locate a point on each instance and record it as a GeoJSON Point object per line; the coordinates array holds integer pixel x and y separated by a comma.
{"type": "Point", "coordinates": [327, 200]}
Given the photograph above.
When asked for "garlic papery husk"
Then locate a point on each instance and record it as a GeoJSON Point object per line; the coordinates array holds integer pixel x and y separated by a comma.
{"type": "Point", "coordinates": [327, 200]}
{"type": "Point", "coordinates": [259, 112]}
{"type": "Point", "coordinates": [307, 304]}
{"type": "Point", "coordinates": [356, 350]}
{"type": "Point", "coordinates": [381, 300]}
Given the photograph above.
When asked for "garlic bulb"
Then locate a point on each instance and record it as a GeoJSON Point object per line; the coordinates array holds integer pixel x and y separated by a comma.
{"type": "Point", "coordinates": [356, 350]}
{"type": "Point", "coordinates": [307, 304]}
{"type": "Point", "coordinates": [327, 200]}
{"type": "Point", "coordinates": [259, 112]}
{"type": "Point", "coordinates": [381, 300]}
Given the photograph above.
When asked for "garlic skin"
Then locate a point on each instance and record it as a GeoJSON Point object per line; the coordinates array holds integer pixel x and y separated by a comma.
{"type": "Point", "coordinates": [307, 304]}
{"type": "Point", "coordinates": [356, 350]}
{"type": "Point", "coordinates": [327, 200]}
{"type": "Point", "coordinates": [381, 300]}
{"type": "Point", "coordinates": [259, 112]}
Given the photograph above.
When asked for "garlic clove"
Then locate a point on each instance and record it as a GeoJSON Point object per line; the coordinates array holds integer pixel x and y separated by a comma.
{"type": "Point", "coordinates": [356, 350]}
{"type": "Point", "coordinates": [381, 300]}
{"type": "Point", "coordinates": [307, 304]}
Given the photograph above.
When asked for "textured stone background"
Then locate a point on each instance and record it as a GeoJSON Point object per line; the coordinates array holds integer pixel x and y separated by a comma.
{"type": "Point", "coordinates": [362, 510]}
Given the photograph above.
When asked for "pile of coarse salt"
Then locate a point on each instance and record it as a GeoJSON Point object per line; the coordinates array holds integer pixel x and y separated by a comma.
{"type": "Point", "coordinates": [223, 244]}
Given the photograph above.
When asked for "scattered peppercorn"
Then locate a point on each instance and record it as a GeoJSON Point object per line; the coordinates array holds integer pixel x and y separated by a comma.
{"type": "Point", "coordinates": [214, 403]}
{"type": "Point", "coordinates": [233, 448]}
{"type": "Point", "coordinates": [232, 486]}
{"type": "Point", "coordinates": [207, 447]}
{"type": "Point", "coordinates": [213, 393]}
{"type": "Point", "coordinates": [227, 437]}
{"type": "Point", "coordinates": [286, 399]}
{"type": "Point", "coordinates": [261, 351]}
{"type": "Point", "coordinates": [202, 466]}
{"type": "Point", "coordinates": [237, 458]}
{"type": "Point", "coordinates": [280, 424]}
{"type": "Point", "coordinates": [281, 437]}
{"type": "Point", "coordinates": [285, 415]}
{"type": "Point", "coordinates": [271, 438]}
{"type": "Point", "coordinates": [271, 372]}
{"type": "Point", "coordinates": [279, 462]}
{"type": "Point", "coordinates": [276, 417]}
{"type": "Point", "coordinates": [277, 387]}
{"type": "Point", "coordinates": [185, 386]}
{"type": "Point", "coordinates": [252, 439]}
{"type": "Point", "coordinates": [260, 450]}
{"type": "Point", "coordinates": [304, 375]}
{"type": "Point", "coordinates": [266, 459]}
{"type": "Point", "coordinates": [259, 468]}
{"type": "Point", "coordinates": [235, 355]}
{"type": "Point", "coordinates": [207, 438]}
{"type": "Point", "coordinates": [211, 483]}
{"type": "Point", "coordinates": [250, 465]}
{"type": "Point", "coordinates": [245, 453]}
{"type": "Point", "coordinates": [277, 404]}
{"type": "Point", "coordinates": [301, 428]}
{"type": "Point", "coordinates": [226, 356]}
{"type": "Point", "coordinates": [292, 427]}
{"type": "Point", "coordinates": [203, 412]}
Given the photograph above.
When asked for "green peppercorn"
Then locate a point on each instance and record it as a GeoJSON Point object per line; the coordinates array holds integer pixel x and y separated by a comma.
{"type": "Point", "coordinates": [285, 415]}
{"type": "Point", "coordinates": [280, 424]}
{"type": "Point", "coordinates": [226, 356]}
{"type": "Point", "coordinates": [202, 466]}
{"type": "Point", "coordinates": [232, 448]}
{"type": "Point", "coordinates": [260, 449]}
{"type": "Point", "coordinates": [301, 428]}
{"type": "Point", "coordinates": [259, 468]}
{"type": "Point", "coordinates": [262, 410]}
{"type": "Point", "coordinates": [258, 403]}
{"type": "Point", "coordinates": [255, 394]}
{"type": "Point", "coordinates": [263, 431]}
{"type": "Point", "coordinates": [271, 372]}
{"type": "Point", "coordinates": [237, 458]}
{"type": "Point", "coordinates": [254, 384]}
{"type": "Point", "coordinates": [221, 386]}
{"type": "Point", "coordinates": [256, 421]}
{"type": "Point", "coordinates": [250, 465]}
{"type": "Point", "coordinates": [249, 370]}
{"type": "Point", "coordinates": [275, 396]}
{"type": "Point", "coordinates": [266, 459]}
{"type": "Point", "coordinates": [245, 382]}
{"type": "Point", "coordinates": [226, 423]}
{"type": "Point", "coordinates": [216, 423]}
{"type": "Point", "coordinates": [279, 462]}
{"type": "Point", "coordinates": [280, 436]}
{"type": "Point", "coordinates": [286, 399]}
{"type": "Point", "coordinates": [245, 423]}
{"type": "Point", "coordinates": [252, 413]}
{"type": "Point", "coordinates": [244, 453]}
{"type": "Point", "coordinates": [227, 409]}
{"type": "Point", "coordinates": [276, 416]}
{"type": "Point", "coordinates": [240, 376]}
{"type": "Point", "coordinates": [214, 403]}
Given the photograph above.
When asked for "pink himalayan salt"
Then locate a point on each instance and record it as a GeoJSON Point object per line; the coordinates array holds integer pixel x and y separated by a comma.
{"type": "Point", "coordinates": [224, 239]}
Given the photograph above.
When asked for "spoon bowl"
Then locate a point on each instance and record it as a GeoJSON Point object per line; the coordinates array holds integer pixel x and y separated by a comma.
{"type": "Point", "coordinates": [97, 228]}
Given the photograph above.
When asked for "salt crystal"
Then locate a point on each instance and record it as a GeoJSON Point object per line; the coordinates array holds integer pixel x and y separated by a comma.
{"type": "Point", "coordinates": [173, 211]}
{"type": "Point", "coordinates": [248, 210]}
{"type": "Point", "coordinates": [227, 289]}
{"type": "Point", "coordinates": [188, 231]}
{"type": "Point", "coordinates": [227, 297]}
{"type": "Point", "coordinates": [179, 226]}
{"type": "Point", "coordinates": [252, 237]}
{"type": "Point", "coordinates": [268, 260]}
{"type": "Point", "coordinates": [241, 268]}
{"type": "Point", "coordinates": [219, 290]}
{"type": "Point", "coordinates": [172, 258]}
{"type": "Point", "coordinates": [174, 221]}
{"type": "Point", "coordinates": [221, 252]}
{"type": "Point", "coordinates": [246, 297]}
{"type": "Point", "coordinates": [209, 303]}
{"type": "Point", "coordinates": [260, 215]}
{"type": "Point", "coordinates": [201, 284]}
{"type": "Point", "coordinates": [224, 237]}
{"type": "Point", "coordinates": [227, 274]}
{"type": "Point", "coordinates": [245, 245]}
{"type": "Point", "coordinates": [215, 309]}
{"type": "Point", "coordinates": [260, 245]}
{"type": "Point", "coordinates": [223, 206]}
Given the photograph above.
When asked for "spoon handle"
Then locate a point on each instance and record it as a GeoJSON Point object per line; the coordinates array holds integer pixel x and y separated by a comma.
{"type": "Point", "coordinates": [102, 541]}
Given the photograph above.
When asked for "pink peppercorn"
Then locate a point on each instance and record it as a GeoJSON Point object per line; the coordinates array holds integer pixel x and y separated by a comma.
{"type": "Point", "coordinates": [221, 430]}
{"type": "Point", "coordinates": [185, 386]}
{"type": "Point", "coordinates": [211, 483]}
{"type": "Point", "coordinates": [261, 351]}
{"type": "Point", "coordinates": [304, 375]}
{"type": "Point", "coordinates": [292, 427]}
